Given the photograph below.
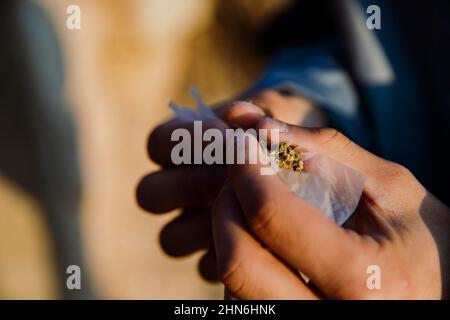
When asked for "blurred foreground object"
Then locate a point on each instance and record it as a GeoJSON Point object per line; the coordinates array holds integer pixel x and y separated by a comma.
{"type": "Point", "coordinates": [37, 137]}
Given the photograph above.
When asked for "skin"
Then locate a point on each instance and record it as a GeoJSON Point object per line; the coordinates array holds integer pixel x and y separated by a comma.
{"type": "Point", "coordinates": [398, 226]}
{"type": "Point", "coordinates": [193, 188]}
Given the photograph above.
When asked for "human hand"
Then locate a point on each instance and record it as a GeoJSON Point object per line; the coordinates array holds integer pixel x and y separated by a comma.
{"type": "Point", "coordinates": [398, 226]}
{"type": "Point", "coordinates": [194, 187]}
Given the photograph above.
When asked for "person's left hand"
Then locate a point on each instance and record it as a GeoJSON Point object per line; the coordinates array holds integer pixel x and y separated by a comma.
{"type": "Point", "coordinates": [194, 187]}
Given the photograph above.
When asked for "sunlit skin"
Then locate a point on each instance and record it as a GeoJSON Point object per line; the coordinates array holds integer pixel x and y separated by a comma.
{"type": "Point", "coordinates": [398, 225]}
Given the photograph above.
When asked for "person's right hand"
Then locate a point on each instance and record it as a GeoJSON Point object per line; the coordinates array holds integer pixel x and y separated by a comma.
{"type": "Point", "coordinates": [398, 227]}
{"type": "Point", "coordinates": [194, 187]}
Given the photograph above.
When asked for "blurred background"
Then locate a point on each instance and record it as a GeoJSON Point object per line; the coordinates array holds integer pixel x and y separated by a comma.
{"type": "Point", "coordinates": [77, 106]}
{"type": "Point", "coordinates": [76, 109]}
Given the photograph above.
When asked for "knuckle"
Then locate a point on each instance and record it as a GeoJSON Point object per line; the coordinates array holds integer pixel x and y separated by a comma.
{"type": "Point", "coordinates": [399, 171]}
{"type": "Point", "coordinates": [396, 175]}
{"type": "Point", "coordinates": [332, 137]}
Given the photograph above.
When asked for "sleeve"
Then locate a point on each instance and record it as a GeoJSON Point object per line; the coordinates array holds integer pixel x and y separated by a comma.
{"type": "Point", "coordinates": [314, 73]}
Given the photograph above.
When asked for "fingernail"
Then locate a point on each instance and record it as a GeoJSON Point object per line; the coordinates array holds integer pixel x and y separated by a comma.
{"type": "Point", "coordinates": [238, 108]}
{"type": "Point", "coordinates": [243, 114]}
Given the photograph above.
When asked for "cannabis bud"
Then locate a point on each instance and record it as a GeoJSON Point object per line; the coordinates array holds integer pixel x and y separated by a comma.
{"type": "Point", "coordinates": [287, 157]}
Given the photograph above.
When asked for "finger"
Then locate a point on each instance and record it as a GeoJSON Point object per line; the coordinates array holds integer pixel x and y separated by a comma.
{"type": "Point", "coordinates": [188, 233]}
{"type": "Point", "coordinates": [247, 269]}
{"type": "Point", "coordinates": [289, 108]}
{"type": "Point", "coordinates": [160, 142]}
{"type": "Point", "coordinates": [242, 114]}
{"type": "Point", "coordinates": [296, 231]}
{"type": "Point", "coordinates": [325, 141]}
{"type": "Point", "coordinates": [182, 186]}
{"type": "Point", "coordinates": [208, 266]}
{"type": "Point", "coordinates": [378, 171]}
